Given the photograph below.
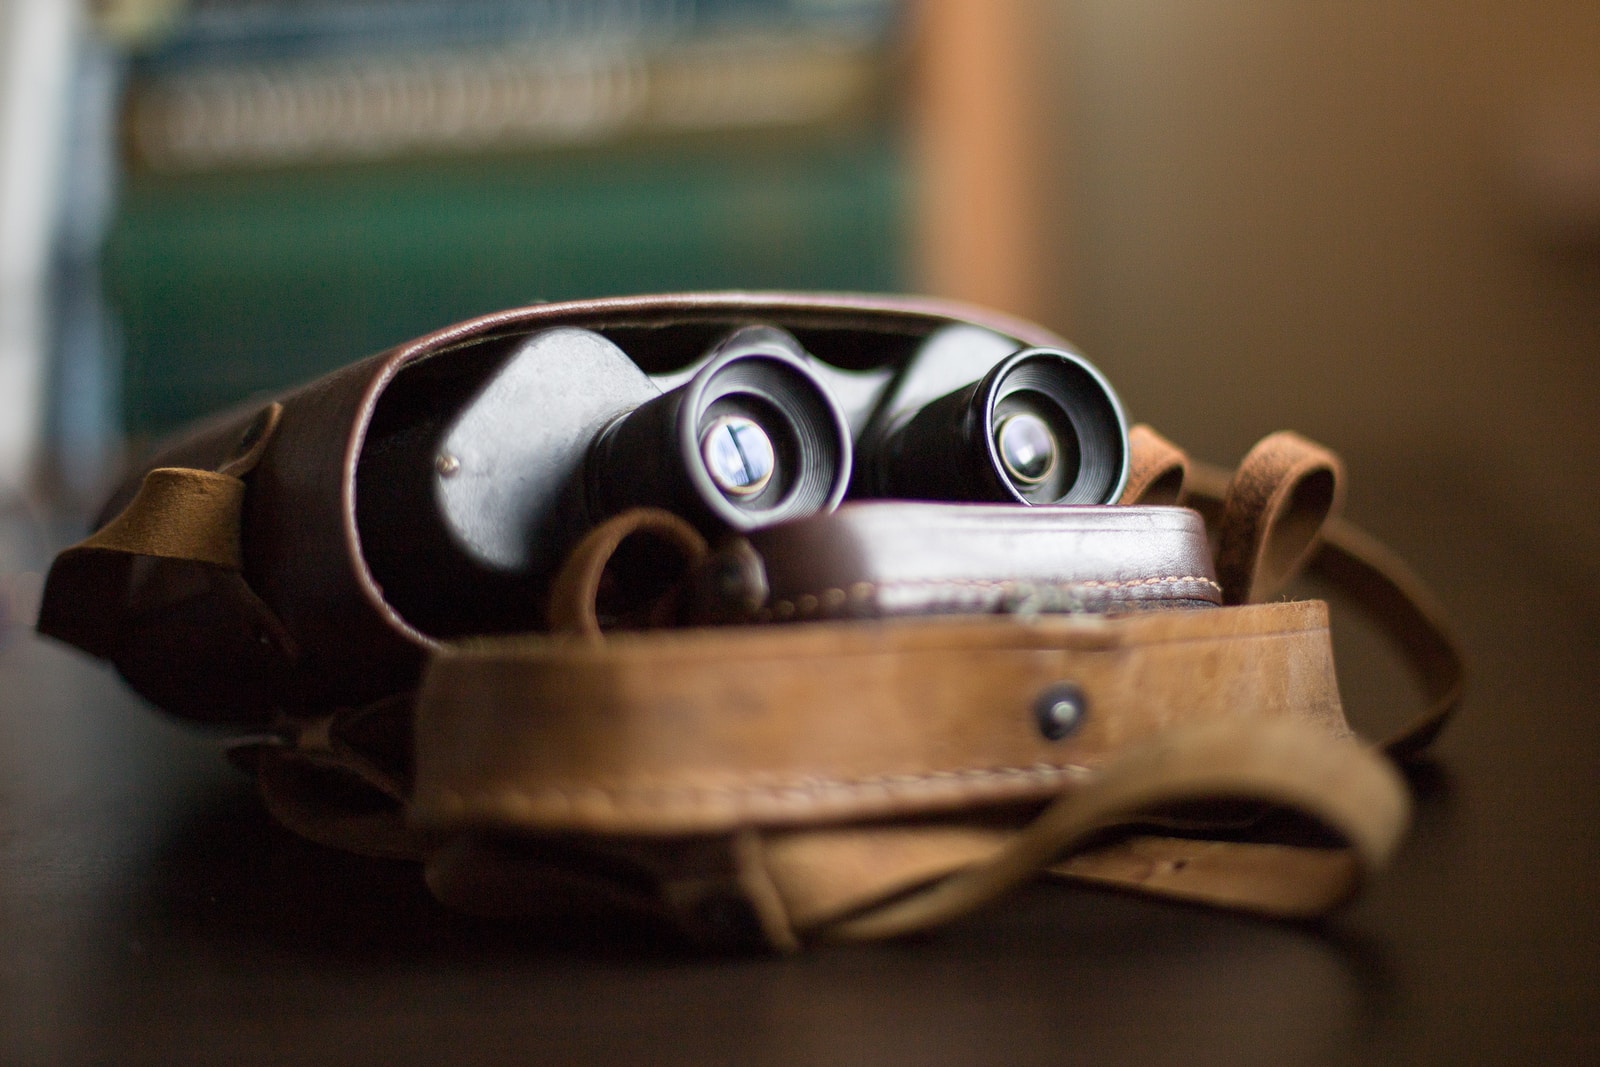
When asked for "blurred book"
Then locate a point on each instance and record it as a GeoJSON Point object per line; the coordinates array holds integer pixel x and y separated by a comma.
{"type": "Point", "coordinates": [308, 182]}
{"type": "Point", "coordinates": [247, 82]}
{"type": "Point", "coordinates": [37, 45]}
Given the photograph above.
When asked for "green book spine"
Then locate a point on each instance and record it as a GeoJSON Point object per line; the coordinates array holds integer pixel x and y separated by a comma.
{"type": "Point", "coordinates": [232, 283]}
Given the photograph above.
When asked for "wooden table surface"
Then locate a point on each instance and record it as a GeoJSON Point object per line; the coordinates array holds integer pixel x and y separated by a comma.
{"type": "Point", "coordinates": [151, 913]}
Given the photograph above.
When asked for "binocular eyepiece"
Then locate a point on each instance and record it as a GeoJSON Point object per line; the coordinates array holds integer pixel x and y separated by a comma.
{"type": "Point", "coordinates": [1041, 427]}
{"type": "Point", "coordinates": [753, 438]}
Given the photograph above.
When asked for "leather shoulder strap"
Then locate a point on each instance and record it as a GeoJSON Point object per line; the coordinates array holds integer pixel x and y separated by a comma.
{"type": "Point", "coordinates": [1274, 513]}
{"type": "Point", "coordinates": [1340, 785]}
{"type": "Point", "coordinates": [1277, 513]}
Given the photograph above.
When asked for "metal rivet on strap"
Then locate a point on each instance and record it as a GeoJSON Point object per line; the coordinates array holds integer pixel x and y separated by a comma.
{"type": "Point", "coordinates": [1059, 710]}
{"type": "Point", "coordinates": [252, 440]}
{"type": "Point", "coordinates": [252, 433]}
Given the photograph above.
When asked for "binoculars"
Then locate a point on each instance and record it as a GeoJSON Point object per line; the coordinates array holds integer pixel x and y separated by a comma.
{"type": "Point", "coordinates": [481, 482]}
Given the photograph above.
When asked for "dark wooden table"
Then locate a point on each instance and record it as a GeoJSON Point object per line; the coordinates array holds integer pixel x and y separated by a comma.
{"type": "Point", "coordinates": [151, 913]}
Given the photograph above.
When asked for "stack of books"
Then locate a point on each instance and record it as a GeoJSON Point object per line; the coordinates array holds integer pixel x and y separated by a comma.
{"type": "Point", "coordinates": [310, 181]}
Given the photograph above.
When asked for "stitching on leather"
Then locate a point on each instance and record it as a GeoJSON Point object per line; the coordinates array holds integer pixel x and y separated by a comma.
{"type": "Point", "coordinates": [859, 593]}
{"type": "Point", "coordinates": [798, 790]}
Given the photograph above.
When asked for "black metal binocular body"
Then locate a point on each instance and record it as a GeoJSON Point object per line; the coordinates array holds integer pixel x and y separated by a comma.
{"type": "Point", "coordinates": [974, 417]}
{"type": "Point", "coordinates": [482, 482]}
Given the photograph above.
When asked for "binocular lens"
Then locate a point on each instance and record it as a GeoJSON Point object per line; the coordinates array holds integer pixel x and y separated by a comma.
{"type": "Point", "coordinates": [738, 454]}
{"type": "Point", "coordinates": [1027, 448]}
{"type": "Point", "coordinates": [1042, 427]}
{"type": "Point", "coordinates": [753, 438]}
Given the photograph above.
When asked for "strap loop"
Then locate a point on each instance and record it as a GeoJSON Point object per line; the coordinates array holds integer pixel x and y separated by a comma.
{"type": "Point", "coordinates": [1375, 579]}
{"type": "Point", "coordinates": [178, 513]}
{"type": "Point", "coordinates": [1272, 514]}
{"type": "Point", "coordinates": [1283, 763]}
{"type": "Point", "coordinates": [576, 590]}
{"type": "Point", "coordinates": [1398, 601]}
{"type": "Point", "coordinates": [362, 813]}
{"type": "Point", "coordinates": [1157, 468]}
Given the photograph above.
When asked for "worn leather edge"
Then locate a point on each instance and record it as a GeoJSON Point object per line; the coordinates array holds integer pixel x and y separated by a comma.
{"type": "Point", "coordinates": [706, 730]}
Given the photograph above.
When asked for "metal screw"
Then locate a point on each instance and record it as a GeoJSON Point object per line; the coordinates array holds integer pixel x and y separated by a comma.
{"type": "Point", "coordinates": [1059, 710]}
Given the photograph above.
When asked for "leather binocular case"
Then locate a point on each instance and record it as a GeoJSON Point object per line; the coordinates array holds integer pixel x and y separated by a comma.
{"type": "Point", "coordinates": [771, 618]}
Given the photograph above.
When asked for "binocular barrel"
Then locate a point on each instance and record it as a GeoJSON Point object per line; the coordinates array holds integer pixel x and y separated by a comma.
{"type": "Point", "coordinates": [468, 508]}
{"type": "Point", "coordinates": [1040, 427]}
{"type": "Point", "coordinates": [752, 439]}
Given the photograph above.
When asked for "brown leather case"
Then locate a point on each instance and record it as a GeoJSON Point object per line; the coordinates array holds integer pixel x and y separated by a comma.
{"type": "Point", "coordinates": [324, 632]}
{"type": "Point", "coordinates": [976, 693]}
{"type": "Point", "coordinates": [876, 559]}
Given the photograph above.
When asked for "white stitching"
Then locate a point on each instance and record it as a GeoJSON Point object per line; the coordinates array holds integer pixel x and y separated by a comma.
{"type": "Point", "coordinates": [833, 599]}
{"type": "Point", "coordinates": [799, 790]}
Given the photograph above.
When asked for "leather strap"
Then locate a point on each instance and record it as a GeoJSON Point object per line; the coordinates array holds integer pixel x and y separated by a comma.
{"type": "Point", "coordinates": [1156, 468]}
{"type": "Point", "coordinates": [1282, 763]}
{"type": "Point", "coordinates": [306, 772]}
{"type": "Point", "coordinates": [704, 731]}
{"type": "Point", "coordinates": [1402, 605]}
{"type": "Point", "coordinates": [178, 514]}
{"type": "Point", "coordinates": [881, 879]}
{"type": "Point", "coordinates": [575, 593]}
{"type": "Point", "coordinates": [1273, 513]}
{"type": "Point", "coordinates": [1273, 510]}
{"type": "Point", "coordinates": [1289, 477]}
{"type": "Point", "coordinates": [185, 515]}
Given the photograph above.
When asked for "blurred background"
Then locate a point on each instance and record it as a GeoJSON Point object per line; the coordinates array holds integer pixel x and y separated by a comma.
{"type": "Point", "coordinates": [1374, 222]}
{"type": "Point", "coordinates": [1377, 223]}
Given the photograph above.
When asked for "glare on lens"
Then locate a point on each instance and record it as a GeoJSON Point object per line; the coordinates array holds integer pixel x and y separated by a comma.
{"type": "Point", "coordinates": [1027, 447]}
{"type": "Point", "coordinates": [738, 455]}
